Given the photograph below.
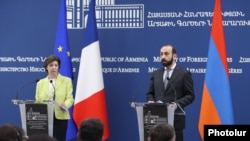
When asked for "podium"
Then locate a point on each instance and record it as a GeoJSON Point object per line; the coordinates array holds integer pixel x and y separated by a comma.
{"type": "Point", "coordinates": [151, 114]}
{"type": "Point", "coordinates": [36, 117]}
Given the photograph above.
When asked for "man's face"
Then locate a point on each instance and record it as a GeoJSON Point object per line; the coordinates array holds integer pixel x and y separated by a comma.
{"type": "Point", "coordinates": [166, 56]}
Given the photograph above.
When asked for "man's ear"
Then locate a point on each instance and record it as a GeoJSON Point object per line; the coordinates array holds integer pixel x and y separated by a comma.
{"type": "Point", "coordinates": [175, 56]}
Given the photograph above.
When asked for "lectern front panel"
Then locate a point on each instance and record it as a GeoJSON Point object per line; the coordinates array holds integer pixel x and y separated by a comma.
{"type": "Point", "coordinates": [153, 114]}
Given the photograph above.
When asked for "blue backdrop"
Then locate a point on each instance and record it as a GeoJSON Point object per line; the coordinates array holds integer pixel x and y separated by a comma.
{"type": "Point", "coordinates": [28, 32]}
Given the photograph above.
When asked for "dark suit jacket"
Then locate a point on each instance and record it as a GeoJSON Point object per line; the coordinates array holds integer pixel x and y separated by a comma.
{"type": "Point", "coordinates": [180, 86]}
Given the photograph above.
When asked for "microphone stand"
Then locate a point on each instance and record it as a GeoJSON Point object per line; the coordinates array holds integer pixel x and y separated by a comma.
{"type": "Point", "coordinates": [175, 98]}
{"type": "Point", "coordinates": [16, 100]}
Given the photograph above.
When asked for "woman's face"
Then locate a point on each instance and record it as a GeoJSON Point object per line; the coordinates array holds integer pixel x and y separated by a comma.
{"type": "Point", "coordinates": [53, 67]}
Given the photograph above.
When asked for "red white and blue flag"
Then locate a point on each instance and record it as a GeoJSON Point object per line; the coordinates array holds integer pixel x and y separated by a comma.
{"type": "Point", "coordinates": [90, 101]}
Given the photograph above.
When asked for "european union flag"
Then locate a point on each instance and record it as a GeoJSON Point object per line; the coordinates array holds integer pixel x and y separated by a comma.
{"type": "Point", "coordinates": [62, 50]}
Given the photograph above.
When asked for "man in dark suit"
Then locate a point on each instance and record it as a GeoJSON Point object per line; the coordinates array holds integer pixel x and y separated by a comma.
{"type": "Point", "coordinates": [178, 91]}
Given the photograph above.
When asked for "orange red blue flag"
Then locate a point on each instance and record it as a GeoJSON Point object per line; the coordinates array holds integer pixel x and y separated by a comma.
{"type": "Point", "coordinates": [216, 104]}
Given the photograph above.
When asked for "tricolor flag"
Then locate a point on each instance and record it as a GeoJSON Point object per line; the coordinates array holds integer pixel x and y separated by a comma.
{"type": "Point", "coordinates": [62, 50]}
{"type": "Point", "coordinates": [216, 104]}
{"type": "Point", "coordinates": [90, 98]}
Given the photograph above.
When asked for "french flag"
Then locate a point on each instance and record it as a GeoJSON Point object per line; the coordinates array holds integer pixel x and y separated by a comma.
{"type": "Point", "coordinates": [216, 105]}
{"type": "Point", "coordinates": [90, 98]}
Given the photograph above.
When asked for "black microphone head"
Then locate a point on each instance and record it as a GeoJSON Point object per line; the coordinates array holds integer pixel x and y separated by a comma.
{"type": "Point", "coordinates": [51, 81]}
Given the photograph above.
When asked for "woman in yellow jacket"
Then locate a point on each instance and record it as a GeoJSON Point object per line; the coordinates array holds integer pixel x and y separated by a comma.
{"type": "Point", "coordinates": [59, 89]}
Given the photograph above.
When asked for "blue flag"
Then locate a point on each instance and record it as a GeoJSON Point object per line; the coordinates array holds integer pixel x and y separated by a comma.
{"type": "Point", "coordinates": [62, 50]}
{"type": "Point", "coordinates": [61, 45]}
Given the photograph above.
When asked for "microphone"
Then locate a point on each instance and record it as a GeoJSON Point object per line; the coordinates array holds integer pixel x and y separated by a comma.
{"type": "Point", "coordinates": [133, 103]}
{"type": "Point", "coordinates": [175, 97]}
{"type": "Point", "coordinates": [54, 94]}
{"type": "Point", "coordinates": [24, 86]}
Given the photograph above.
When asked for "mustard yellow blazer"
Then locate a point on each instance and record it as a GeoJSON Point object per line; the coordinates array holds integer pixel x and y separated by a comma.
{"type": "Point", "coordinates": [63, 93]}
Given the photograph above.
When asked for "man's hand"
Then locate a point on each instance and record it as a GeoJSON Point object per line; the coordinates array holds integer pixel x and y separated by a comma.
{"type": "Point", "coordinates": [173, 105]}
{"type": "Point", "coordinates": [151, 102]}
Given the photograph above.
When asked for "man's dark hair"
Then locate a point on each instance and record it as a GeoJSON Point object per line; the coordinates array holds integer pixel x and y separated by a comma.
{"type": "Point", "coordinates": [91, 130]}
{"type": "Point", "coordinates": [162, 132]}
{"type": "Point", "coordinates": [173, 48]}
{"type": "Point", "coordinates": [11, 132]}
